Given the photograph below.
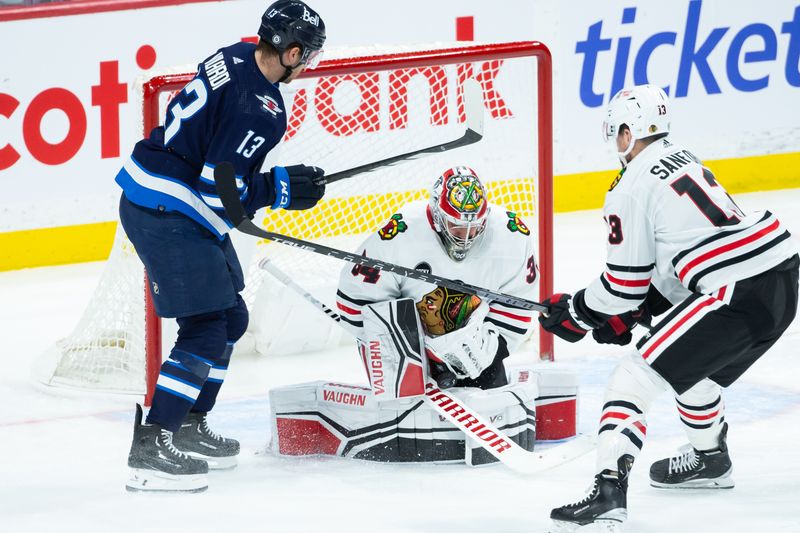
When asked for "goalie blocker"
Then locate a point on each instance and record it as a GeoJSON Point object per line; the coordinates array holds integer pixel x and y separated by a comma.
{"type": "Point", "coordinates": [391, 423]}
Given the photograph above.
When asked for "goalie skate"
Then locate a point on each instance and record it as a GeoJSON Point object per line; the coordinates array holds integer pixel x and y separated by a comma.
{"type": "Point", "coordinates": [158, 466]}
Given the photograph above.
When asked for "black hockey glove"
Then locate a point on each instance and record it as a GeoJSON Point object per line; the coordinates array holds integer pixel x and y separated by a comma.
{"type": "Point", "coordinates": [566, 319]}
{"type": "Point", "coordinates": [296, 187]}
{"type": "Point", "coordinates": [618, 328]}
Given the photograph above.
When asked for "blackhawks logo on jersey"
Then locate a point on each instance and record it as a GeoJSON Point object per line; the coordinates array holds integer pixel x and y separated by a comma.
{"type": "Point", "coordinates": [516, 224]}
{"type": "Point", "coordinates": [444, 310]}
{"type": "Point", "coordinates": [393, 227]}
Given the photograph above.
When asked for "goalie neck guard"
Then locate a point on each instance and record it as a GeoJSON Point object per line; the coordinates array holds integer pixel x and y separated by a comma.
{"type": "Point", "coordinates": [458, 210]}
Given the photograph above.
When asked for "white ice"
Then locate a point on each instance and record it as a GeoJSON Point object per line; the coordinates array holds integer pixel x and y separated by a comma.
{"type": "Point", "coordinates": [63, 456]}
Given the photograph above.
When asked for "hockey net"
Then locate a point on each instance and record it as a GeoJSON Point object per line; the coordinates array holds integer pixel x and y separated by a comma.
{"type": "Point", "coordinates": [360, 106]}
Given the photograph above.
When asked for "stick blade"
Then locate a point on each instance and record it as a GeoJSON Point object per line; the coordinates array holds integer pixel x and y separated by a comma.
{"type": "Point", "coordinates": [225, 180]}
{"type": "Point", "coordinates": [473, 105]}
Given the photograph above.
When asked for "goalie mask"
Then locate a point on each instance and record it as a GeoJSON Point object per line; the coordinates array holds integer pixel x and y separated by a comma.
{"type": "Point", "coordinates": [644, 109]}
{"type": "Point", "coordinates": [458, 210]}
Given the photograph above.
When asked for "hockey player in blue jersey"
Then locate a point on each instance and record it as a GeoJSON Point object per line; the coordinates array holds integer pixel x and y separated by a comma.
{"type": "Point", "coordinates": [231, 111]}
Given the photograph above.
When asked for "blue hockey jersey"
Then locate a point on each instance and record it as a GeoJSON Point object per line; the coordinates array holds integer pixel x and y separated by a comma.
{"type": "Point", "coordinates": [228, 112]}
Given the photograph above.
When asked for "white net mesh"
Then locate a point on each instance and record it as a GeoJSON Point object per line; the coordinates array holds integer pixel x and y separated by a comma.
{"type": "Point", "coordinates": [350, 112]}
{"type": "Point", "coordinates": [105, 351]}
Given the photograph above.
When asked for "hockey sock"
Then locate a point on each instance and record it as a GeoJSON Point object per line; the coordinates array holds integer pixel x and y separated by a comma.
{"type": "Point", "coordinates": [236, 319]}
{"type": "Point", "coordinates": [179, 383]}
{"type": "Point", "coordinates": [702, 413]}
{"type": "Point", "coordinates": [201, 338]}
{"type": "Point", "coordinates": [208, 394]}
{"type": "Point", "coordinates": [629, 394]}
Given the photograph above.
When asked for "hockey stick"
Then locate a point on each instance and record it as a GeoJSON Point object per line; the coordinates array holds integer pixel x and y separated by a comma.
{"type": "Point", "coordinates": [508, 452]}
{"type": "Point", "coordinates": [472, 424]}
{"type": "Point", "coordinates": [473, 109]}
{"type": "Point", "coordinates": [445, 377]}
{"type": "Point", "coordinates": [225, 179]}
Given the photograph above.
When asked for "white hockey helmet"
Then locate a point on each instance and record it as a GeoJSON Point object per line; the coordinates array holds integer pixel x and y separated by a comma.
{"type": "Point", "coordinates": [459, 210]}
{"type": "Point", "coordinates": [644, 109]}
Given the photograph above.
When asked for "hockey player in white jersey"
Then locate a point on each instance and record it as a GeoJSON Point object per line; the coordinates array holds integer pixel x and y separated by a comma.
{"type": "Point", "coordinates": [457, 235]}
{"type": "Point", "coordinates": [677, 242]}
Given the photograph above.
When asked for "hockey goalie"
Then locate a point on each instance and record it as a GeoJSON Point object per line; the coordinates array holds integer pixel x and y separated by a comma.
{"type": "Point", "coordinates": [411, 333]}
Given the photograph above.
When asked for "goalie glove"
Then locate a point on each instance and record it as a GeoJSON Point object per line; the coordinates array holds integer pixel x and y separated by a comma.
{"type": "Point", "coordinates": [469, 350]}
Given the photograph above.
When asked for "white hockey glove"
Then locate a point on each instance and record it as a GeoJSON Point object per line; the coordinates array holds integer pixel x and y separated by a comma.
{"type": "Point", "coordinates": [467, 351]}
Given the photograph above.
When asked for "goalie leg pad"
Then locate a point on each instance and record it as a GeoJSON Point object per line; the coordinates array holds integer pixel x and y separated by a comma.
{"type": "Point", "coordinates": [557, 402]}
{"type": "Point", "coordinates": [512, 408]}
{"type": "Point", "coordinates": [321, 418]}
{"type": "Point", "coordinates": [392, 349]}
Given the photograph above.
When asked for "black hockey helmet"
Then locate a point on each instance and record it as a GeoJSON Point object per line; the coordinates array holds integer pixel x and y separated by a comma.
{"type": "Point", "coordinates": [289, 22]}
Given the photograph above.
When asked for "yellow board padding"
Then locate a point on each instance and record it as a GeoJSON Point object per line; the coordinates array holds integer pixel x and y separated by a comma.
{"type": "Point", "coordinates": [364, 213]}
{"type": "Point", "coordinates": [56, 246]}
{"type": "Point", "coordinates": [575, 192]}
{"type": "Point", "coordinates": [572, 192]}
{"type": "Point", "coordinates": [757, 173]}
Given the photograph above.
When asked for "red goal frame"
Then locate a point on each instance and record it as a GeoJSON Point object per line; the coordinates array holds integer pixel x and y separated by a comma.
{"type": "Point", "coordinates": [157, 85]}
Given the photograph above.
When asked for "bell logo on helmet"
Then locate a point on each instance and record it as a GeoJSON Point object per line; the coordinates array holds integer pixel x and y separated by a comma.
{"type": "Point", "coordinates": [311, 19]}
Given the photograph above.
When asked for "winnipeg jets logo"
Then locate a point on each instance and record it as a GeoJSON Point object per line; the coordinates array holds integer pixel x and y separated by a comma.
{"type": "Point", "coordinates": [236, 60]}
{"type": "Point", "coordinates": [269, 105]}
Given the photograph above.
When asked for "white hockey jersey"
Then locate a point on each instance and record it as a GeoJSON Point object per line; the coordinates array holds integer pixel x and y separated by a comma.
{"type": "Point", "coordinates": [502, 261]}
{"type": "Point", "coordinates": [670, 223]}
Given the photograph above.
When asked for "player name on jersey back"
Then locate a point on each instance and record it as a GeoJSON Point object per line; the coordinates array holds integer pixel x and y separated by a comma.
{"type": "Point", "coordinates": [217, 71]}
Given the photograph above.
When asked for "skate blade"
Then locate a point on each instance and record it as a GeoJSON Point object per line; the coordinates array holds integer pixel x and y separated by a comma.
{"type": "Point", "coordinates": [725, 481]}
{"type": "Point", "coordinates": [600, 525]}
{"type": "Point", "coordinates": [142, 480]}
{"type": "Point", "coordinates": [216, 463]}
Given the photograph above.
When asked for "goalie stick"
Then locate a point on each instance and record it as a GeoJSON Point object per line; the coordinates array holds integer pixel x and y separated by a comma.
{"type": "Point", "coordinates": [473, 110]}
{"type": "Point", "coordinates": [225, 179]}
{"type": "Point", "coordinates": [472, 424]}
{"type": "Point", "coordinates": [445, 379]}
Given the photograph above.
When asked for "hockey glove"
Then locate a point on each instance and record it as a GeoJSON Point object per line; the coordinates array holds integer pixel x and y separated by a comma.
{"type": "Point", "coordinates": [296, 187]}
{"type": "Point", "coordinates": [469, 350]}
{"type": "Point", "coordinates": [566, 319]}
{"type": "Point", "coordinates": [618, 328]}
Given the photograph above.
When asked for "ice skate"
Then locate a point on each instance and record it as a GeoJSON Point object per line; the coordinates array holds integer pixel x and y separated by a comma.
{"type": "Point", "coordinates": [605, 506]}
{"type": "Point", "coordinates": [693, 469]}
{"type": "Point", "coordinates": [197, 440]}
{"type": "Point", "coordinates": [157, 465]}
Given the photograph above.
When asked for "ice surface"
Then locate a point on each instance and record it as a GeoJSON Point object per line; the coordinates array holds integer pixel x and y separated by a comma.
{"type": "Point", "coordinates": [63, 455]}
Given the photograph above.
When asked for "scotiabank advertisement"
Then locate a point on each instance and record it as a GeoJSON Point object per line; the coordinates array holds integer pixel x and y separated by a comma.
{"type": "Point", "coordinates": [70, 114]}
